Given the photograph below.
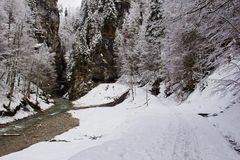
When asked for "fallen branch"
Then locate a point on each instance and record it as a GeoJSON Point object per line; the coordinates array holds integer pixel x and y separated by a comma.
{"type": "Point", "coordinates": [206, 5]}
{"type": "Point", "coordinates": [59, 140]}
{"type": "Point", "coordinates": [234, 27]}
{"type": "Point", "coordinates": [6, 134]}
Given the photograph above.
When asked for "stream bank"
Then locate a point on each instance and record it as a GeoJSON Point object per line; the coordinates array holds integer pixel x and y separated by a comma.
{"type": "Point", "coordinates": [41, 127]}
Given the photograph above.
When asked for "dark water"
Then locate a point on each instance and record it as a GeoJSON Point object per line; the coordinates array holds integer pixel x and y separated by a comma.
{"type": "Point", "coordinates": [61, 106]}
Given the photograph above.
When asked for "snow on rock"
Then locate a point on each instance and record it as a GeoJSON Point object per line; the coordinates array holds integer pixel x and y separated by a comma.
{"type": "Point", "coordinates": [4, 100]}
{"type": "Point", "coordinates": [103, 95]}
{"type": "Point", "coordinates": [23, 113]}
{"type": "Point", "coordinates": [38, 46]}
{"type": "Point", "coordinates": [16, 106]}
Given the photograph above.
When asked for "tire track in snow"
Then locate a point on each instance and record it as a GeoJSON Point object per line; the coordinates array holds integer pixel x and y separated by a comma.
{"type": "Point", "coordinates": [186, 144]}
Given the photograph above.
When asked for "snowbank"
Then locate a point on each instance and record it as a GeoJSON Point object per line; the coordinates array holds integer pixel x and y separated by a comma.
{"type": "Point", "coordinates": [218, 98]}
{"type": "Point", "coordinates": [103, 95]}
{"type": "Point", "coordinates": [134, 130]}
{"type": "Point", "coordinates": [23, 112]}
{"type": "Point", "coordinates": [17, 110]}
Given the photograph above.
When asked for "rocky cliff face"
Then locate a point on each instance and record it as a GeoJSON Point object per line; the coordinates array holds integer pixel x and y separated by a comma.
{"type": "Point", "coordinates": [46, 27]}
{"type": "Point", "coordinates": [94, 50]}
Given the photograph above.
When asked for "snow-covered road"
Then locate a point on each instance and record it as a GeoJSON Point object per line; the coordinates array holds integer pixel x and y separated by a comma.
{"type": "Point", "coordinates": [167, 134]}
{"type": "Point", "coordinates": [134, 131]}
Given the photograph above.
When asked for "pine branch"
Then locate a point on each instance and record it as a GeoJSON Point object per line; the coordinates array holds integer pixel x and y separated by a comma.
{"type": "Point", "coordinates": [234, 27]}
{"type": "Point", "coordinates": [199, 8]}
{"type": "Point", "coordinates": [206, 5]}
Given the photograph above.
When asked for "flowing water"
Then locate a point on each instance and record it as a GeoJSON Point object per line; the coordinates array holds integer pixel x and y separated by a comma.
{"type": "Point", "coordinates": [61, 106]}
{"type": "Point", "coordinates": [37, 128]}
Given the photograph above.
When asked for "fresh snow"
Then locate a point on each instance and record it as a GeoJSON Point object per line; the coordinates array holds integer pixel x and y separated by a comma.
{"type": "Point", "coordinates": [102, 94]}
{"type": "Point", "coordinates": [135, 130]}
{"type": "Point", "coordinates": [17, 98]}
{"type": "Point", "coordinates": [70, 3]}
{"type": "Point", "coordinates": [19, 115]}
{"type": "Point", "coordinates": [219, 100]}
{"type": "Point", "coordinates": [22, 113]}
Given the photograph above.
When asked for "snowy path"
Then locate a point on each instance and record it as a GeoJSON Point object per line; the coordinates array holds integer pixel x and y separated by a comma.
{"type": "Point", "coordinates": [164, 134]}
{"type": "Point", "coordinates": [132, 131]}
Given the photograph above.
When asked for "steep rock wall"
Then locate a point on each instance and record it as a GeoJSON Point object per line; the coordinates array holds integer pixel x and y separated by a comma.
{"type": "Point", "coordinates": [46, 27]}
{"type": "Point", "coordinates": [94, 50]}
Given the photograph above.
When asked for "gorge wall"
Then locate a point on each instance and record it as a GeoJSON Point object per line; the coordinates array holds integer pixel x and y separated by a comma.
{"type": "Point", "coordinates": [93, 59]}
{"type": "Point", "coordinates": [46, 29]}
{"type": "Point", "coordinates": [94, 50]}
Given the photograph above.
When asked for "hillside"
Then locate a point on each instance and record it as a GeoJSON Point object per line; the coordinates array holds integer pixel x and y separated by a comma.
{"type": "Point", "coordinates": [147, 79]}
